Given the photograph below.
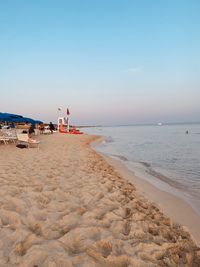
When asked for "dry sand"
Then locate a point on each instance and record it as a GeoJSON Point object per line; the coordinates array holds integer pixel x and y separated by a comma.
{"type": "Point", "coordinates": [64, 205]}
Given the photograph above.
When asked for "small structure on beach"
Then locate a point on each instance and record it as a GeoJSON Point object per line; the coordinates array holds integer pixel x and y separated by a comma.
{"type": "Point", "coordinates": [64, 127]}
{"type": "Point", "coordinates": [62, 122]}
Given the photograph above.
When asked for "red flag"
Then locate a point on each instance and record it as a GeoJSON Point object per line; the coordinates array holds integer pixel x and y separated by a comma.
{"type": "Point", "coordinates": [68, 113]}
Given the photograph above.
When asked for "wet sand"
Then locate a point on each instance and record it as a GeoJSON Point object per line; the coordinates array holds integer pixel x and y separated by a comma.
{"type": "Point", "coordinates": [64, 205]}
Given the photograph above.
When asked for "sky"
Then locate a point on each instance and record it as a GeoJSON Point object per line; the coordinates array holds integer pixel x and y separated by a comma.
{"type": "Point", "coordinates": [110, 62]}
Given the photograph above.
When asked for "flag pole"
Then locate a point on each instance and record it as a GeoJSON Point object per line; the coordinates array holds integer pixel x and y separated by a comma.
{"type": "Point", "coordinates": [59, 109]}
{"type": "Point", "coordinates": [68, 113]}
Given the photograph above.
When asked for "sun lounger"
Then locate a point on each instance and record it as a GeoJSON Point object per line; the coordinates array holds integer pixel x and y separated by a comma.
{"type": "Point", "coordinates": [10, 134]}
{"type": "Point", "coordinates": [25, 139]}
{"type": "Point", "coordinates": [3, 138]}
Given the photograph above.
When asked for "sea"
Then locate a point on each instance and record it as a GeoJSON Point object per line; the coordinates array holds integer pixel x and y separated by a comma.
{"type": "Point", "coordinates": [167, 156]}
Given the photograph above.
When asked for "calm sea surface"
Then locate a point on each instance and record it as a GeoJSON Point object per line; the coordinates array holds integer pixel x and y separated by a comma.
{"type": "Point", "coordinates": [164, 155]}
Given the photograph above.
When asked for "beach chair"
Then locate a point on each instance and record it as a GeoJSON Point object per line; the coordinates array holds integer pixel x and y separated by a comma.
{"type": "Point", "coordinates": [24, 139]}
{"type": "Point", "coordinates": [10, 134]}
{"type": "Point", "coordinates": [3, 138]}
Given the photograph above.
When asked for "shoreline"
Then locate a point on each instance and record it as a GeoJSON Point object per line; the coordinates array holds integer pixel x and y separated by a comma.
{"type": "Point", "coordinates": [178, 209]}
{"type": "Point", "coordinates": [64, 205]}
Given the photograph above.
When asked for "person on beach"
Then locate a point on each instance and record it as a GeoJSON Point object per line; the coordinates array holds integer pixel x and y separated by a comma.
{"type": "Point", "coordinates": [51, 127]}
{"type": "Point", "coordinates": [41, 128]}
{"type": "Point", "coordinates": [61, 128]}
{"type": "Point", "coordinates": [31, 130]}
{"type": "Point", "coordinates": [30, 133]}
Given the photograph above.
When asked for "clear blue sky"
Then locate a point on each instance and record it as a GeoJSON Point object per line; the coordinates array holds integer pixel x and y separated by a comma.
{"type": "Point", "coordinates": [108, 61]}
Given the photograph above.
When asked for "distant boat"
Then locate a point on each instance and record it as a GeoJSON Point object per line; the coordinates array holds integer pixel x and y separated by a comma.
{"type": "Point", "coordinates": [159, 124]}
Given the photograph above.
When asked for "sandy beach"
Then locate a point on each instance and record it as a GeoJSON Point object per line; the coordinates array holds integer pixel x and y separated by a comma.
{"type": "Point", "coordinates": [64, 205]}
{"type": "Point", "coordinates": [172, 205]}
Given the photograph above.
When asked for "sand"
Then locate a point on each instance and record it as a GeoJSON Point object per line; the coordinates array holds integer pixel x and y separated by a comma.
{"type": "Point", "coordinates": [64, 205]}
{"type": "Point", "coordinates": [172, 205]}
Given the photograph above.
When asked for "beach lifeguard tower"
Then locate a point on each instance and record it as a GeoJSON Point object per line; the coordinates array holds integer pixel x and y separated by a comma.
{"type": "Point", "coordinates": [64, 122]}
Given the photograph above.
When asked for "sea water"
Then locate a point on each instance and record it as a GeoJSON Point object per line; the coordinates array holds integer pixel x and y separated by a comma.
{"type": "Point", "coordinates": [168, 156]}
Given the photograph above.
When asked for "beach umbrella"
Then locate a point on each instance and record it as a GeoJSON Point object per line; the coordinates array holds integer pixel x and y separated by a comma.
{"type": "Point", "coordinates": [5, 117]}
{"type": "Point", "coordinates": [8, 117]}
